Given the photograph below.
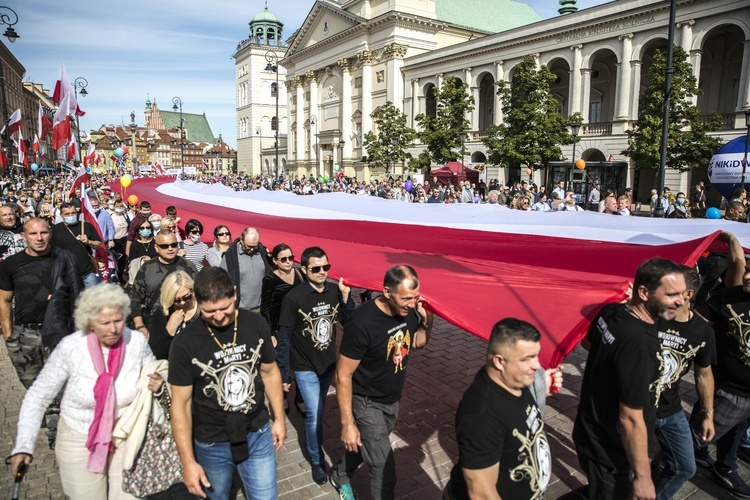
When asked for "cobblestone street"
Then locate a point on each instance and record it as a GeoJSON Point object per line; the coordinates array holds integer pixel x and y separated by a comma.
{"type": "Point", "coordinates": [424, 438]}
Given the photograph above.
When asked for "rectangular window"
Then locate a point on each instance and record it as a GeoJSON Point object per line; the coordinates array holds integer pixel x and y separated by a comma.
{"type": "Point", "coordinates": [595, 110]}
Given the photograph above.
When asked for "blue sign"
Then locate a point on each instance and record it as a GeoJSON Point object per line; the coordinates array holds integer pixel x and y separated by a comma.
{"type": "Point", "coordinates": [725, 168]}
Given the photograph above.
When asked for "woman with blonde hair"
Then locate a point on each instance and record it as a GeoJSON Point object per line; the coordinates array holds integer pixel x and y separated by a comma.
{"type": "Point", "coordinates": [99, 366]}
{"type": "Point", "coordinates": [178, 309]}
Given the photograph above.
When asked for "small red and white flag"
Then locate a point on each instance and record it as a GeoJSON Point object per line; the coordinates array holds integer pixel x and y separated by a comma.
{"type": "Point", "coordinates": [64, 89]}
{"type": "Point", "coordinates": [89, 216]}
{"type": "Point", "coordinates": [23, 150]}
{"type": "Point", "coordinates": [81, 180]}
{"type": "Point", "coordinates": [205, 164]}
{"type": "Point", "coordinates": [609, 158]}
{"type": "Point", "coordinates": [61, 134]}
{"type": "Point", "coordinates": [73, 151]}
{"type": "Point", "coordinates": [3, 159]}
{"type": "Point", "coordinates": [159, 168]}
{"type": "Point", "coordinates": [43, 124]}
{"type": "Point", "coordinates": [35, 147]}
{"type": "Point", "coordinates": [14, 123]}
{"type": "Point", "coordinates": [90, 155]}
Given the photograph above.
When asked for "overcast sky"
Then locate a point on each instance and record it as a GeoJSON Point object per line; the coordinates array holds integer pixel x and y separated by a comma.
{"type": "Point", "coordinates": [160, 48]}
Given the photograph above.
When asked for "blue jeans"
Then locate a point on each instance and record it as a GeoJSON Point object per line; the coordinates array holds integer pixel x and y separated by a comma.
{"type": "Point", "coordinates": [745, 443]}
{"type": "Point", "coordinates": [314, 390]}
{"type": "Point", "coordinates": [676, 442]}
{"type": "Point", "coordinates": [258, 471]}
{"type": "Point", "coordinates": [91, 279]}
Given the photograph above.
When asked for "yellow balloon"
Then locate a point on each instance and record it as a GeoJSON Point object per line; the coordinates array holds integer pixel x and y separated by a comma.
{"type": "Point", "coordinates": [125, 181]}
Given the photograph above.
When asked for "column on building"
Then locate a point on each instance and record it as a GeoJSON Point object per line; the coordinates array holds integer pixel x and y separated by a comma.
{"type": "Point", "coordinates": [635, 86]}
{"type": "Point", "coordinates": [622, 92]}
{"type": "Point", "coordinates": [499, 75]}
{"type": "Point", "coordinates": [574, 90]}
{"type": "Point", "coordinates": [365, 59]}
{"type": "Point", "coordinates": [586, 77]}
{"type": "Point", "coordinates": [346, 108]}
{"type": "Point", "coordinates": [415, 103]}
{"type": "Point", "coordinates": [686, 42]}
{"type": "Point", "coordinates": [439, 80]}
{"type": "Point", "coordinates": [291, 135]}
{"type": "Point", "coordinates": [473, 91]}
{"type": "Point", "coordinates": [312, 79]}
{"type": "Point", "coordinates": [299, 116]}
{"type": "Point", "coordinates": [394, 54]}
{"type": "Point", "coordinates": [743, 100]}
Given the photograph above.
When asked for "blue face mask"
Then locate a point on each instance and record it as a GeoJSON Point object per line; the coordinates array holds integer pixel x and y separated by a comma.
{"type": "Point", "coordinates": [680, 201]}
{"type": "Point", "coordinates": [156, 225]}
{"type": "Point", "coordinates": [145, 232]}
{"type": "Point", "coordinates": [70, 220]}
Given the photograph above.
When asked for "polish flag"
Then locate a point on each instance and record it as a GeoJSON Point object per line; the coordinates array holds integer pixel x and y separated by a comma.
{"type": "Point", "coordinates": [44, 125]}
{"type": "Point", "coordinates": [81, 180]}
{"type": "Point", "coordinates": [3, 159]}
{"type": "Point", "coordinates": [159, 168]}
{"type": "Point", "coordinates": [61, 128]}
{"type": "Point", "coordinates": [205, 164]}
{"type": "Point", "coordinates": [14, 123]}
{"type": "Point", "coordinates": [63, 89]}
{"type": "Point", "coordinates": [35, 147]}
{"type": "Point", "coordinates": [609, 158]}
{"type": "Point", "coordinates": [23, 150]}
{"type": "Point", "coordinates": [90, 155]}
{"type": "Point", "coordinates": [98, 158]}
{"type": "Point", "coordinates": [89, 216]}
{"type": "Point", "coordinates": [73, 151]}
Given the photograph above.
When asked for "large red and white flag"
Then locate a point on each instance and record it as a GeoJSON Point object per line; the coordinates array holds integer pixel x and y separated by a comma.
{"type": "Point", "coordinates": [35, 147]}
{"type": "Point", "coordinates": [61, 134]}
{"type": "Point", "coordinates": [23, 150]}
{"type": "Point", "coordinates": [72, 153]}
{"type": "Point", "coordinates": [3, 159]}
{"type": "Point", "coordinates": [14, 123]}
{"type": "Point", "coordinates": [81, 180]}
{"type": "Point", "coordinates": [63, 89]}
{"type": "Point", "coordinates": [89, 217]}
{"type": "Point", "coordinates": [43, 124]}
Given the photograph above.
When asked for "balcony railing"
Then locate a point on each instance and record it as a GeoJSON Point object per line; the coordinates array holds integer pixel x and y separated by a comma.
{"type": "Point", "coordinates": [728, 120]}
{"type": "Point", "coordinates": [600, 128]}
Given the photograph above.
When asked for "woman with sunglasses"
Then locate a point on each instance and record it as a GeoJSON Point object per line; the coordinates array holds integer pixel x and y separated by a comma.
{"type": "Point", "coordinates": [143, 245]}
{"type": "Point", "coordinates": [195, 249]}
{"type": "Point", "coordinates": [178, 308]}
{"type": "Point", "coordinates": [222, 239]}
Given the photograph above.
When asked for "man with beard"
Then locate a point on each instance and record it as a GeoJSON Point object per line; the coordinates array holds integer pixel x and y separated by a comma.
{"type": "Point", "coordinates": [617, 411]}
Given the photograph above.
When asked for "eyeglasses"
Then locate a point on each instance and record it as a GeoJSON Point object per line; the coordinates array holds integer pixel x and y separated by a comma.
{"type": "Point", "coordinates": [145, 227]}
{"type": "Point", "coordinates": [183, 299]}
{"type": "Point", "coordinates": [23, 201]}
{"type": "Point", "coordinates": [164, 246]}
{"type": "Point", "coordinates": [224, 234]}
{"type": "Point", "coordinates": [286, 259]}
{"type": "Point", "coordinates": [317, 269]}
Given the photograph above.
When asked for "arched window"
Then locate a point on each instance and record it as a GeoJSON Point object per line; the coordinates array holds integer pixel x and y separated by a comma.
{"type": "Point", "coordinates": [274, 123]}
{"type": "Point", "coordinates": [274, 89]}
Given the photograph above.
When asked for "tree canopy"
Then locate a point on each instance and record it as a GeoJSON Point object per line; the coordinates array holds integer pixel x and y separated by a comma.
{"type": "Point", "coordinates": [387, 146]}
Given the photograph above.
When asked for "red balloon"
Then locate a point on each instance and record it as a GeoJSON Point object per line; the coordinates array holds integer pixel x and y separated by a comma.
{"type": "Point", "coordinates": [133, 200]}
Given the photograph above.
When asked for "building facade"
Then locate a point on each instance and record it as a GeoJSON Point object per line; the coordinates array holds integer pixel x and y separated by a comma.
{"type": "Point", "coordinates": [260, 90]}
{"type": "Point", "coordinates": [351, 57]}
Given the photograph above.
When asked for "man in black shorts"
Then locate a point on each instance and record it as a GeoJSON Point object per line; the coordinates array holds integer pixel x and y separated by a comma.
{"type": "Point", "coordinates": [370, 375]}
{"type": "Point", "coordinates": [220, 368]}
{"type": "Point", "coordinates": [502, 448]}
{"type": "Point", "coordinates": [618, 397]}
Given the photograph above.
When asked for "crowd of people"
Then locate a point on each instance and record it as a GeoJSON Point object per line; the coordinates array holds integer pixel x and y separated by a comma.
{"type": "Point", "coordinates": [214, 333]}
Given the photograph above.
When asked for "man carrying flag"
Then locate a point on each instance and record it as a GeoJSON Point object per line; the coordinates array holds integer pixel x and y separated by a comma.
{"type": "Point", "coordinates": [79, 237]}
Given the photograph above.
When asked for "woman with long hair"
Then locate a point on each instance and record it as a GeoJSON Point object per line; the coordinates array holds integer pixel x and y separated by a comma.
{"type": "Point", "coordinates": [178, 309]}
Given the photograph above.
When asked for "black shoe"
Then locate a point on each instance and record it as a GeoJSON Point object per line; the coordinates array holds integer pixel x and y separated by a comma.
{"type": "Point", "coordinates": [743, 454]}
{"type": "Point", "coordinates": [704, 458]}
{"type": "Point", "coordinates": [733, 482]}
{"type": "Point", "coordinates": [319, 473]}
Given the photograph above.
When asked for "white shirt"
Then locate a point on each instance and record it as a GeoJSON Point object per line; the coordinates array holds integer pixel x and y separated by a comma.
{"type": "Point", "coordinates": [71, 362]}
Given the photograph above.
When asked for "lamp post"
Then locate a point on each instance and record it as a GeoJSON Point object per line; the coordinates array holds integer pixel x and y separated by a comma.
{"type": "Point", "coordinates": [314, 122]}
{"type": "Point", "coordinates": [747, 143]}
{"type": "Point", "coordinates": [12, 36]}
{"type": "Point", "coordinates": [134, 151]}
{"type": "Point", "coordinates": [273, 67]}
{"type": "Point", "coordinates": [575, 128]}
{"type": "Point", "coordinates": [341, 156]}
{"type": "Point", "coordinates": [660, 208]}
{"type": "Point", "coordinates": [79, 89]}
{"type": "Point", "coordinates": [178, 104]}
{"type": "Point", "coordinates": [463, 146]}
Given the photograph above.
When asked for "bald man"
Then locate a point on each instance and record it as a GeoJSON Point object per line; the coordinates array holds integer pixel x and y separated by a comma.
{"type": "Point", "coordinates": [247, 264]}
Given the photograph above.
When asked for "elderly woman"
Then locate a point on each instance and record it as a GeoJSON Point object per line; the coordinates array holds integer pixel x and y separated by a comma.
{"type": "Point", "coordinates": [99, 365]}
{"type": "Point", "coordinates": [222, 240]}
{"type": "Point", "coordinates": [178, 309]}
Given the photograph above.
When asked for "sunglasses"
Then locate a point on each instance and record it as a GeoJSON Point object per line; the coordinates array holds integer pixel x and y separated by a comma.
{"type": "Point", "coordinates": [195, 231]}
{"type": "Point", "coordinates": [317, 269]}
{"type": "Point", "coordinates": [286, 259]}
{"type": "Point", "coordinates": [164, 246]}
{"type": "Point", "coordinates": [183, 299]}
{"type": "Point", "coordinates": [224, 234]}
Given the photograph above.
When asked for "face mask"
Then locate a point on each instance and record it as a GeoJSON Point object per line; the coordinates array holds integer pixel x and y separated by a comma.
{"type": "Point", "coordinates": [493, 202]}
{"type": "Point", "coordinates": [145, 233]}
{"type": "Point", "coordinates": [145, 215]}
{"type": "Point", "coordinates": [680, 201]}
{"type": "Point", "coordinates": [195, 238]}
{"type": "Point", "coordinates": [48, 192]}
{"type": "Point", "coordinates": [111, 206]}
{"type": "Point", "coordinates": [119, 210]}
{"type": "Point", "coordinates": [71, 220]}
{"type": "Point", "coordinates": [156, 225]}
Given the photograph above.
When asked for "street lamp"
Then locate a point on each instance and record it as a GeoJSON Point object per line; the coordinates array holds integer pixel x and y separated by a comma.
{"type": "Point", "coordinates": [134, 149]}
{"type": "Point", "coordinates": [273, 67]}
{"type": "Point", "coordinates": [178, 104]}
{"type": "Point", "coordinates": [463, 147]}
{"type": "Point", "coordinates": [747, 143]}
{"type": "Point", "coordinates": [79, 89]}
{"type": "Point", "coordinates": [314, 122]}
{"type": "Point", "coordinates": [575, 128]}
{"type": "Point", "coordinates": [12, 36]}
{"type": "Point", "coordinates": [341, 156]}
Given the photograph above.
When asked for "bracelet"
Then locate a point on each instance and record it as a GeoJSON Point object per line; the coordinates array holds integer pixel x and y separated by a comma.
{"type": "Point", "coordinates": [707, 412]}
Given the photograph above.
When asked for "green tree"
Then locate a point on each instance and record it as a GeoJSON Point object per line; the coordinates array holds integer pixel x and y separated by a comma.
{"type": "Point", "coordinates": [387, 147]}
{"type": "Point", "coordinates": [441, 134]}
{"type": "Point", "coordinates": [532, 129]}
{"type": "Point", "coordinates": [688, 144]}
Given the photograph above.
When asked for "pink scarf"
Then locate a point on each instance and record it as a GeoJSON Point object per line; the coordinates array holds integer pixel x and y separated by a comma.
{"type": "Point", "coordinates": [99, 442]}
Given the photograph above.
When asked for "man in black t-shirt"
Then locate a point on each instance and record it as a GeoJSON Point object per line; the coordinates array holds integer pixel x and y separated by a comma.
{"type": "Point", "coordinates": [728, 309]}
{"type": "Point", "coordinates": [80, 239]}
{"type": "Point", "coordinates": [686, 339]}
{"type": "Point", "coordinates": [618, 396]}
{"type": "Point", "coordinates": [220, 368]}
{"type": "Point", "coordinates": [307, 327]}
{"type": "Point", "coordinates": [502, 448]}
{"type": "Point", "coordinates": [370, 374]}
{"type": "Point", "coordinates": [10, 232]}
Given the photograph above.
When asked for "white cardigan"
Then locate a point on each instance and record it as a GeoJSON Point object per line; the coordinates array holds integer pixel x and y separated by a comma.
{"type": "Point", "coordinates": [70, 362]}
